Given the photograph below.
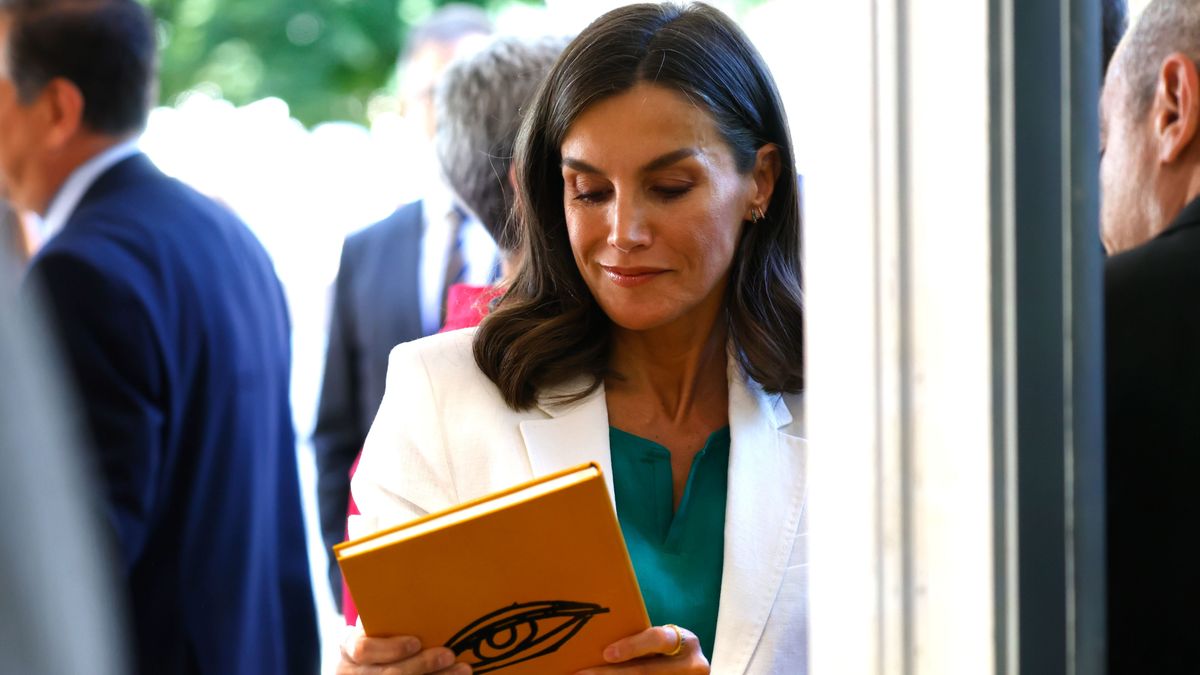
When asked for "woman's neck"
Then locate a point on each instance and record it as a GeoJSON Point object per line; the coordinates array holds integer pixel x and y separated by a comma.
{"type": "Point", "coordinates": [679, 371]}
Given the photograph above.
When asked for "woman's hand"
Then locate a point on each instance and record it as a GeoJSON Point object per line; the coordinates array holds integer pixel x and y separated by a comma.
{"type": "Point", "coordinates": [401, 655]}
{"type": "Point", "coordinates": [661, 649]}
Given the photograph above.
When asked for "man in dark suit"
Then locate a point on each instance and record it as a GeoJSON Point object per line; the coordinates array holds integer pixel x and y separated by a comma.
{"type": "Point", "coordinates": [1150, 171]}
{"type": "Point", "coordinates": [391, 281]}
{"type": "Point", "coordinates": [173, 323]}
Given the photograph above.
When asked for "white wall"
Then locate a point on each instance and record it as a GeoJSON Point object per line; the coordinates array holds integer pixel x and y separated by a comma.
{"type": "Point", "coordinates": [899, 307]}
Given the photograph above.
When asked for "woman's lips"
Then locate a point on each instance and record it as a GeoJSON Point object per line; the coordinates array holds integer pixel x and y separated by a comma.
{"type": "Point", "coordinates": [628, 277]}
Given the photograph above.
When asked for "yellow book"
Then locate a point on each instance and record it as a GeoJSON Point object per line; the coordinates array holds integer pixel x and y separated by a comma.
{"type": "Point", "coordinates": [534, 579]}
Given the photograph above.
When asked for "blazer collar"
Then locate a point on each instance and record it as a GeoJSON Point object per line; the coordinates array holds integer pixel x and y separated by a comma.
{"type": "Point", "coordinates": [73, 189]}
{"type": "Point", "coordinates": [765, 501]}
{"type": "Point", "coordinates": [1188, 217]}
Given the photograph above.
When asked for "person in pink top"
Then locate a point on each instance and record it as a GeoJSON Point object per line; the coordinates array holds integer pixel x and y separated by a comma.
{"type": "Point", "coordinates": [479, 102]}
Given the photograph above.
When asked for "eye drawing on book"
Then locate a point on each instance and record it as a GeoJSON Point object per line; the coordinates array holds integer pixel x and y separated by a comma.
{"type": "Point", "coordinates": [521, 631]}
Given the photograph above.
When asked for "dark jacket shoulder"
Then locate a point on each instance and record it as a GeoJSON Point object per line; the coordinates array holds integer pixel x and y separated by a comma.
{"type": "Point", "coordinates": [405, 223]}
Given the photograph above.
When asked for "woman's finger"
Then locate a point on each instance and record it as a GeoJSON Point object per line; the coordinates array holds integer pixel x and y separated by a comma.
{"type": "Point", "coordinates": [434, 660]}
{"type": "Point", "coordinates": [653, 641]}
{"type": "Point", "coordinates": [362, 650]}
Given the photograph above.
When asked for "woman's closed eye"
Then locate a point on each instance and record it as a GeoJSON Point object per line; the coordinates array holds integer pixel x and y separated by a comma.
{"type": "Point", "coordinates": [592, 196]}
{"type": "Point", "coordinates": [669, 192]}
{"type": "Point", "coordinates": [663, 191]}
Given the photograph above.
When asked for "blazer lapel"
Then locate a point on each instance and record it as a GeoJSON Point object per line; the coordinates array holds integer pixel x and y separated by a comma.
{"type": "Point", "coordinates": [573, 434]}
{"type": "Point", "coordinates": [762, 514]}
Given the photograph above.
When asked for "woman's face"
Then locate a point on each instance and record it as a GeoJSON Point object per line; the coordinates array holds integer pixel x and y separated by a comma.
{"type": "Point", "coordinates": [654, 207]}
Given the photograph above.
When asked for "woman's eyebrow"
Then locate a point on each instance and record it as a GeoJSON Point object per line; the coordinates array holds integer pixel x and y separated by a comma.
{"type": "Point", "coordinates": [668, 159]}
{"type": "Point", "coordinates": [653, 165]}
{"type": "Point", "coordinates": [579, 165]}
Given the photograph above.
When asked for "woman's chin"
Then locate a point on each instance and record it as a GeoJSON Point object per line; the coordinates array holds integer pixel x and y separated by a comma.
{"type": "Point", "coordinates": [635, 321]}
{"type": "Point", "coordinates": [639, 321]}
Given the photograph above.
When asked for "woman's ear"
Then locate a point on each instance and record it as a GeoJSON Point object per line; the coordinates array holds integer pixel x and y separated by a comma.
{"type": "Point", "coordinates": [765, 173]}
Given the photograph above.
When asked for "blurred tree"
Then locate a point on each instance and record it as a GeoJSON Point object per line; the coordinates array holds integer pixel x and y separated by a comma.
{"type": "Point", "coordinates": [326, 58]}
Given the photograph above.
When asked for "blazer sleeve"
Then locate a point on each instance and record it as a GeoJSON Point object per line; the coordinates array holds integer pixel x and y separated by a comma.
{"type": "Point", "coordinates": [404, 471]}
{"type": "Point", "coordinates": [109, 342]}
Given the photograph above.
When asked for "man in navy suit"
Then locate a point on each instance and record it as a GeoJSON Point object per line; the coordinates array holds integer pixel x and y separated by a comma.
{"type": "Point", "coordinates": [174, 325]}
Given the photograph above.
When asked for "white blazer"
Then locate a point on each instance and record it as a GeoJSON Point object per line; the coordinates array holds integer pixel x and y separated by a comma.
{"type": "Point", "coordinates": [444, 435]}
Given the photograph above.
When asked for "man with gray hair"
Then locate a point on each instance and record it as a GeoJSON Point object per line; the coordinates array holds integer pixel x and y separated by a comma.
{"type": "Point", "coordinates": [478, 108]}
{"type": "Point", "coordinates": [392, 278]}
{"type": "Point", "coordinates": [1150, 174]}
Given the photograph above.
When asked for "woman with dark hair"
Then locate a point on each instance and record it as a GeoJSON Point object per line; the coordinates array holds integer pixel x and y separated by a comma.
{"type": "Point", "coordinates": [654, 327]}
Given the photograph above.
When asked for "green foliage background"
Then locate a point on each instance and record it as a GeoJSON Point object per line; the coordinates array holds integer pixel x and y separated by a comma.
{"type": "Point", "coordinates": [326, 58]}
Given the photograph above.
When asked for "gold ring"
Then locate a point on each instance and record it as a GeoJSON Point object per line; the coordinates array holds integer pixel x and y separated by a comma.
{"type": "Point", "coordinates": [678, 640]}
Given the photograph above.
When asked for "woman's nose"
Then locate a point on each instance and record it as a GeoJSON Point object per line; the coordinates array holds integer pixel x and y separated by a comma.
{"type": "Point", "coordinates": [628, 228]}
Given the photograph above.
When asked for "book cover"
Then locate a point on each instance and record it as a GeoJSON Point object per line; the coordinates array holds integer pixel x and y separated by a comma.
{"type": "Point", "coordinates": [535, 579]}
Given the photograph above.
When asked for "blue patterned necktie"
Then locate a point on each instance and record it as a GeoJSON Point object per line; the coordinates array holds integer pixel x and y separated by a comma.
{"type": "Point", "coordinates": [456, 259]}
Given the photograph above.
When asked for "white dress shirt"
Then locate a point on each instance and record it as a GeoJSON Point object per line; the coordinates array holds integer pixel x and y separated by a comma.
{"type": "Point", "coordinates": [479, 255]}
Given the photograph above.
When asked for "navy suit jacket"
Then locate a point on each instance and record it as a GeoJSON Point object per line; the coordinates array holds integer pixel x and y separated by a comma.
{"type": "Point", "coordinates": [1152, 315]}
{"type": "Point", "coordinates": [376, 306]}
{"type": "Point", "coordinates": [175, 327]}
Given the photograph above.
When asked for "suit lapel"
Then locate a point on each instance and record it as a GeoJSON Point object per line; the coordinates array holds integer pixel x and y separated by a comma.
{"type": "Point", "coordinates": [762, 514]}
{"type": "Point", "coordinates": [573, 434]}
{"type": "Point", "coordinates": [400, 270]}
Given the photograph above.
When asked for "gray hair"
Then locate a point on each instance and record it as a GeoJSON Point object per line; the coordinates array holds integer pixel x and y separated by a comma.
{"type": "Point", "coordinates": [479, 104]}
{"type": "Point", "coordinates": [1165, 27]}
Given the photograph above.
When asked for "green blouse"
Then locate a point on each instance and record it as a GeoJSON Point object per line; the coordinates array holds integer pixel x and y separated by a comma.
{"type": "Point", "coordinates": [677, 557]}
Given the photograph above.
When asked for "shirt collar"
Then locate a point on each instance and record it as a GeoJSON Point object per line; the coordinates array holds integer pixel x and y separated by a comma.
{"type": "Point", "coordinates": [437, 204]}
{"type": "Point", "coordinates": [77, 184]}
